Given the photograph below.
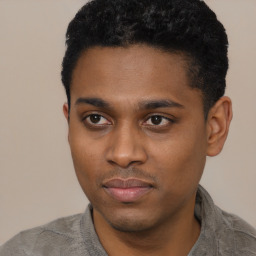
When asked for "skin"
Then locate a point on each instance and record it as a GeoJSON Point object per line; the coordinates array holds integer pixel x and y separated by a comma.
{"type": "Point", "coordinates": [125, 140]}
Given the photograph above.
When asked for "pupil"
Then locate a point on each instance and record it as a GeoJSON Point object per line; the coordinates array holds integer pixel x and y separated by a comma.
{"type": "Point", "coordinates": [95, 118]}
{"type": "Point", "coordinates": [156, 120]}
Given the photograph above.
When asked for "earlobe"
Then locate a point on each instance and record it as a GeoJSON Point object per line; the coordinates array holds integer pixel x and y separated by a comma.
{"type": "Point", "coordinates": [66, 111]}
{"type": "Point", "coordinates": [218, 122]}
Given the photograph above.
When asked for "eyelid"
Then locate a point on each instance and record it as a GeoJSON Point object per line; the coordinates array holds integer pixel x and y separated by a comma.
{"type": "Point", "coordinates": [95, 125]}
{"type": "Point", "coordinates": [169, 119]}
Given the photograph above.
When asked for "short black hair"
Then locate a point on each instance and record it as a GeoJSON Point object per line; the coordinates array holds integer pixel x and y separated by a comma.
{"type": "Point", "coordinates": [188, 27]}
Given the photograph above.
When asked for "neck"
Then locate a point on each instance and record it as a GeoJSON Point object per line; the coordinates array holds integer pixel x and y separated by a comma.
{"type": "Point", "coordinates": [175, 236]}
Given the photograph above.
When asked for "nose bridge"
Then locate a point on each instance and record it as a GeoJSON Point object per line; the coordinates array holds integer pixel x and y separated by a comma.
{"type": "Point", "coordinates": [126, 146]}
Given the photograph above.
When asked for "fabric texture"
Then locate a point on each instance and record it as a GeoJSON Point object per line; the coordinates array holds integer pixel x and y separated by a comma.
{"type": "Point", "coordinates": [222, 234]}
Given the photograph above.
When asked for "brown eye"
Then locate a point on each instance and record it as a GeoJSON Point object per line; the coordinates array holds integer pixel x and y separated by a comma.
{"type": "Point", "coordinates": [97, 120]}
{"type": "Point", "coordinates": [156, 120]}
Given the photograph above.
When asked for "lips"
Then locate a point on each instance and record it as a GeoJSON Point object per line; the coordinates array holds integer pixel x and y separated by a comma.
{"type": "Point", "coordinates": [128, 190]}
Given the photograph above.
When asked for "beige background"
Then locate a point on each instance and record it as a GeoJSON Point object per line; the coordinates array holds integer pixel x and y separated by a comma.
{"type": "Point", "coordinates": [37, 181]}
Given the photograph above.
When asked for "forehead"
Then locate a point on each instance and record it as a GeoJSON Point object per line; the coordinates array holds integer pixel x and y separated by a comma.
{"type": "Point", "coordinates": [131, 73]}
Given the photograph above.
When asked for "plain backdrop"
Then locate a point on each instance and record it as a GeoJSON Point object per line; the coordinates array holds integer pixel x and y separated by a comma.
{"type": "Point", "coordinates": [37, 180]}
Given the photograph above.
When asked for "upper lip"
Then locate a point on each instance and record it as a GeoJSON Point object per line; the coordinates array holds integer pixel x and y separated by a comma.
{"type": "Point", "coordinates": [126, 183]}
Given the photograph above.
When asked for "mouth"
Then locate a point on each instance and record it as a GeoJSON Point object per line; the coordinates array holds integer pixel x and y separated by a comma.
{"type": "Point", "coordinates": [128, 190]}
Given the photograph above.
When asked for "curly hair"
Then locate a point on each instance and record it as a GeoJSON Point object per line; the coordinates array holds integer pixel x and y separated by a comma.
{"type": "Point", "coordinates": [188, 27]}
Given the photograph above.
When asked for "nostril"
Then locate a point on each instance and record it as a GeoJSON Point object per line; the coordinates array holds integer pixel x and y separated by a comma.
{"type": "Point", "coordinates": [125, 163]}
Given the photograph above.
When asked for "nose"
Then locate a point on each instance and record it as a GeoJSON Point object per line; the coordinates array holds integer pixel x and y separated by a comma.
{"type": "Point", "coordinates": [126, 148]}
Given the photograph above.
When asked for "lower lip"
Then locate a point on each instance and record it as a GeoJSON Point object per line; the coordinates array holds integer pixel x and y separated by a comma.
{"type": "Point", "coordinates": [127, 195]}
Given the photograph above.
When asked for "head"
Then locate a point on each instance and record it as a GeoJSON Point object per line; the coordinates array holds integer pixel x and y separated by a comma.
{"type": "Point", "coordinates": [144, 81]}
{"type": "Point", "coordinates": [188, 28]}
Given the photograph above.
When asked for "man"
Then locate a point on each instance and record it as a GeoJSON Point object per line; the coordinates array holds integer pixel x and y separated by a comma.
{"type": "Point", "coordinates": [145, 82]}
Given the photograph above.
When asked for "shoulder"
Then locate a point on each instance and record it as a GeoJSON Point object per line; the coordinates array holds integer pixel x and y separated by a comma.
{"type": "Point", "coordinates": [56, 234]}
{"type": "Point", "coordinates": [225, 233]}
{"type": "Point", "coordinates": [243, 235]}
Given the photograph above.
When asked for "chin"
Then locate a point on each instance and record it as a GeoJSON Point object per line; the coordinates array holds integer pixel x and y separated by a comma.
{"type": "Point", "coordinates": [130, 222]}
{"type": "Point", "coordinates": [125, 225]}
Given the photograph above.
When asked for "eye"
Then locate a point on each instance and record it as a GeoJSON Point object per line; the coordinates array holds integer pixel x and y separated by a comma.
{"type": "Point", "coordinates": [158, 120]}
{"type": "Point", "coordinates": [95, 119]}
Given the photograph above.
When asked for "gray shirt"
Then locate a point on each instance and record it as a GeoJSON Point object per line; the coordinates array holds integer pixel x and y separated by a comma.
{"type": "Point", "coordinates": [221, 234]}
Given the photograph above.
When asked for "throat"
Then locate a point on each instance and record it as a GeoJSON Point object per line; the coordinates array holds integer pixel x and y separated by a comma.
{"type": "Point", "coordinates": [176, 238]}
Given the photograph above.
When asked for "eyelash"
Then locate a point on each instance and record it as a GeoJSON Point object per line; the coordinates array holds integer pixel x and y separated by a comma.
{"type": "Point", "coordinates": [100, 126]}
{"type": "Point", "coordinates": [163, 118]}
{"type": "Point", "coordinates": [91, 124]}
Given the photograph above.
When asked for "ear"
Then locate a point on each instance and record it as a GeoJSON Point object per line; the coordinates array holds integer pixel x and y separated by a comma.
{"type": "Point", "coordinates": [66, 111]}
{"type": "Point", "coordinates": [218, 121]}
{"type": "Point", "coordinates": [66, 114]}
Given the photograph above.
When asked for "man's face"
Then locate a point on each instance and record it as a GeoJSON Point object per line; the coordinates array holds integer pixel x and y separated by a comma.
{"type": "Point", "coordinates": [137, 135]}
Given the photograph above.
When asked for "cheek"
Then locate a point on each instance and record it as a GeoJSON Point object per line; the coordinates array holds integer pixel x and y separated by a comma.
{"type": "Point", "coordinates": [179, 161]}
{"type": "Point", "coordinates": [86, 161]}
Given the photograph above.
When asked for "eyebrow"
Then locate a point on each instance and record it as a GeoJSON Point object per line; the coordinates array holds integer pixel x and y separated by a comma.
{"type": "Point", "coordinates": [97, 102]}
{"type": "Point", "coordinates": [164, 103]}
{"type": "Point", "coordinates": [143, 105]}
